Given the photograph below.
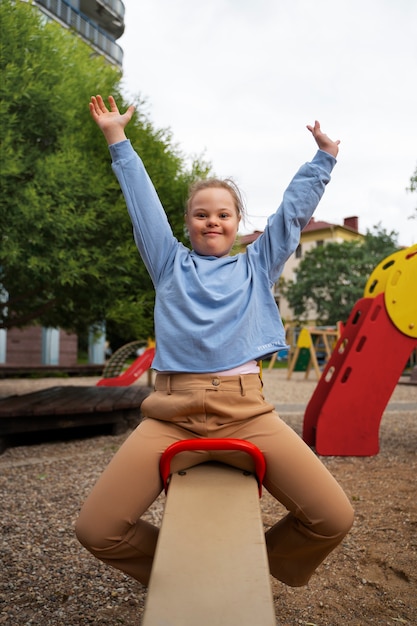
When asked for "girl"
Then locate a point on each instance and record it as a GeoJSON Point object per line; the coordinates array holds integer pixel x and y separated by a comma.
{"type": "Point", "coordinates": [215, 318]}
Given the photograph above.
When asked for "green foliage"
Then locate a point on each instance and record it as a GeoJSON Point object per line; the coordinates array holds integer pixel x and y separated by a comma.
{"type": "Point", "coordinates": [413, 187]}
{"type": "Point", "coordinates": [67, 256]}
{"type": "Point", "coordinates": [413, 181]}
{"type": "Point", "coordinates": [332, 277]}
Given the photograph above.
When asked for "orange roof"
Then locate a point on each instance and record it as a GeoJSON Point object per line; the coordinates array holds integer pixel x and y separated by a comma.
{"type": "Point", "coordinates": [350, 223]}
{"type": "Point", "coordinates": [247, 239]}
{"type": "Point", "coordinates": [317, 225]}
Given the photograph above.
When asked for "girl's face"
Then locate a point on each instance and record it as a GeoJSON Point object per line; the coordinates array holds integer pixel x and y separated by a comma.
{"type": "Point", "coordinates": [212, 221]}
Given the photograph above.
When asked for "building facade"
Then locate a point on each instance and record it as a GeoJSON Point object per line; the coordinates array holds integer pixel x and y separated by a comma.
{"type": "Point", "coordinates": [98, 22]}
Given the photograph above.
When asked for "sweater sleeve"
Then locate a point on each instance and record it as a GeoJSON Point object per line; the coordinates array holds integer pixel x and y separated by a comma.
{"type": "Point", "coordinates": [282, 233]}
{"type": "Point", "coordinates": [152, 232]}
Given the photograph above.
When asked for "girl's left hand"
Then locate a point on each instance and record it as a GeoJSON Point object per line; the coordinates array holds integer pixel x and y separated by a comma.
{"type": "Point", "coordinates": [323, 141]}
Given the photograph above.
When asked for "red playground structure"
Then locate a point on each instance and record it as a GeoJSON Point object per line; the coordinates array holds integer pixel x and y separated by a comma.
{"type": "Point", "coordinates": [114, 376]}
{"type": "Point", "coordinates": [343, 415]}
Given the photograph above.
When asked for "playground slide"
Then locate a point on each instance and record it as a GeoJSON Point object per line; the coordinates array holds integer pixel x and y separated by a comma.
{"type": "Point", "coordinates": [345, 411]}
{"type": "Point", "coordinates": [135, 371]}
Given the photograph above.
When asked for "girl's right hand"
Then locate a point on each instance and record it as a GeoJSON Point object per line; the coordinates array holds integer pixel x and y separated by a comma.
{"type": "Point", "coordinates": [111, 122]}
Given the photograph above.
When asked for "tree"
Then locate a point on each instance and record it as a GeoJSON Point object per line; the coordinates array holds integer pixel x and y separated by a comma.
{"type": "Point", "coordinates": [67, 256]}
{"type": "Point", "coordinates": [332, 277]}
{"type": "Point", "coordinates": [413, 187]}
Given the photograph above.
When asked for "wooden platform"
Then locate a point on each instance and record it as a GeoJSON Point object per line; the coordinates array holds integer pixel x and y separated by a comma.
{"type": "Point", "coordinates": [16, 371]}
{"type": "Point", "coordinates": [68, 407]}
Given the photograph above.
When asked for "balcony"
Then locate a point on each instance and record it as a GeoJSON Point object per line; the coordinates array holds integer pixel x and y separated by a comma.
{"type": "Point", "coordinates": [100, 23]}
{"type": "Point", "coordinates": [108, 14]}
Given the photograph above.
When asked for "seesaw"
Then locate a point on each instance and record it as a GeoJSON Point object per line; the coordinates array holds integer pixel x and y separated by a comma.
{"type": "Point", "coordinates": [211, 566]}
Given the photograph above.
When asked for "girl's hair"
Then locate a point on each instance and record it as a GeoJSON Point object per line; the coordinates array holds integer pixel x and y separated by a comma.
{"type": "Point", "coordinates": [226, 183]}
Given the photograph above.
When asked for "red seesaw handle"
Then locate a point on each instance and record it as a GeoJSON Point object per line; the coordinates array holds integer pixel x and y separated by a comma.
{"type": "Point", "coordinates": [213, 444]}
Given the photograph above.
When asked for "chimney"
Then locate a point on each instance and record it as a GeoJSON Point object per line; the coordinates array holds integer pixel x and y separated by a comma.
{"type": "Point", "coordinates": [352, 222]}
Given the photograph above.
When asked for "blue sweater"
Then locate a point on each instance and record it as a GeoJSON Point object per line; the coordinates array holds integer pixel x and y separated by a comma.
{"type": "Point", "coordinates": [214, 314]}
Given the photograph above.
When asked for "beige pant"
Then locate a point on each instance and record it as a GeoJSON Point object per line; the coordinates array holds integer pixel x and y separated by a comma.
{"type": "Point", "coordinates": [185, 406]}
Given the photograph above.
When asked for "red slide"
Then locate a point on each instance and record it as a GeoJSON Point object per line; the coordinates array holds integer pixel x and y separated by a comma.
{"type": "Point", "coordinates": [135, 371]}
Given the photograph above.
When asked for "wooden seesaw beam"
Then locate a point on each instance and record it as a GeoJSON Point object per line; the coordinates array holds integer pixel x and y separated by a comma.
{"type": "Point", "coordinates": [211, 566]}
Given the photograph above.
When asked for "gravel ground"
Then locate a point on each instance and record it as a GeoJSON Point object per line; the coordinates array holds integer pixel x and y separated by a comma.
{"type": "Point", "coordinates": [48, 579]}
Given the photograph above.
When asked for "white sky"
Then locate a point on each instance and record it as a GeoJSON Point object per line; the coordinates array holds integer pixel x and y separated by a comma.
{"type": "Point", "coordinates": [237, 81]}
